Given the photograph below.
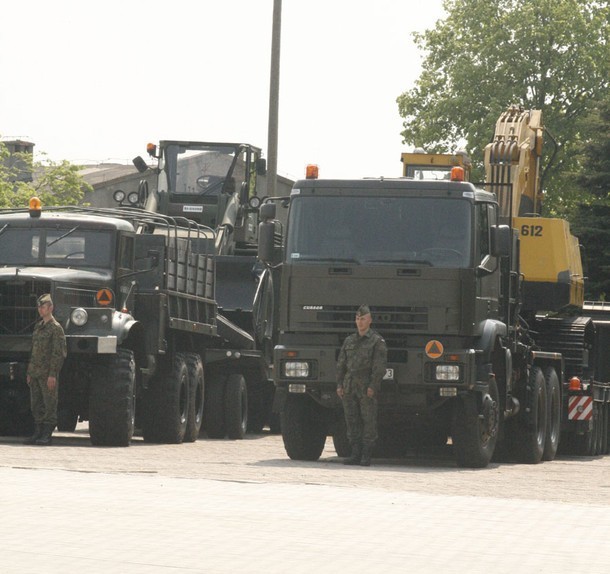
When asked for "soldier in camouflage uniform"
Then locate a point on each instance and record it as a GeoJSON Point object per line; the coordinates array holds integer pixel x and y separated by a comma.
{"type": "Point", "coordinates": [360, 368]}
{"type": "Point", "coordinates": [46, 359]}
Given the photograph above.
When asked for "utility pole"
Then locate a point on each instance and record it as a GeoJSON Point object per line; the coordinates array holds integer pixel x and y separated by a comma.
{"type": "Point", "coordinates": [274, 98]}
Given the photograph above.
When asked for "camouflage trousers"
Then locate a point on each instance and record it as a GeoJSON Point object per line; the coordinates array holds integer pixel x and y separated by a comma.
{"type": "Point", "coordinates": [360, 417]}
{"type": "Point", "coordinates": [43, 401]}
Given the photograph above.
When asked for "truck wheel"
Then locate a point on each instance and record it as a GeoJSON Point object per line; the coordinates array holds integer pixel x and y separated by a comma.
{"type": "Point", "coordinates": [529, 428]}
{"type": "Point", "coordinates": [474, 434]}
{"type": "Point", "coordinates": [303, 429]}
{"type": "Point", "coordinates": [196, 398]}
{"type": "Point", "coordinates": [236, 407]}
{"type": "Point", "coordinates": [256, 408]}
{"type": "Point", "coordinates": [213, 411]}
{"type": "Point", "coordinates": [605, 430]}
{"type": "Point", "coordinates": [66, 420]}
{"type": "Point", "coordinates": [340, 440]}
{"type": "Point", "coordinates": [168, 404]}
{"type": "Point", "coordinates": [112, 400]}
{"type": "Point", "coordinates": [553, 413]}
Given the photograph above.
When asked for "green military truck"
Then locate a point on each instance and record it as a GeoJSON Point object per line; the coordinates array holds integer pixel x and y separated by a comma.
{"type": "Point", "coordinates": [135, 293]}
{"type": "Point", "coordinates": [219, 185]}
{"type": "Point", "coordinates": [470, 363]}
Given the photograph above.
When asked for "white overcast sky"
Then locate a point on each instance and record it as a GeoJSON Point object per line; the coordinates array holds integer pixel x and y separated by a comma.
{"type": "Point", "coordinates": [95, 81]}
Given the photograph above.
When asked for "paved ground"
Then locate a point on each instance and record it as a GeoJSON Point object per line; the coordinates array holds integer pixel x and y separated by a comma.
{"type": "Point", "coordinates": [222, 506]}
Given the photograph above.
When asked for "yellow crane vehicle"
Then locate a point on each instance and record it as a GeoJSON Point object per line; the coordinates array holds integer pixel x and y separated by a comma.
{"type": "Point", "coordinates": [479, 299]}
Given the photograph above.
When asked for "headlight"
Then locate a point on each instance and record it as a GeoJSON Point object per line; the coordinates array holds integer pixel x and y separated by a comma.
{"type": "Point", "coordinates": [296, 369]}
{"type": "Point", "coordinates": [448, 372]}
{"type": "Point", "coordinates": [118, 195]}
{"type": "Point", "coordinates": [133, 198]}
{"type": "Point", "coordinates": [79, 317]}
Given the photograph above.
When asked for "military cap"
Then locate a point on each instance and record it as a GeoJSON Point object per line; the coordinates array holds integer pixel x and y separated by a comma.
{"type": "Point", "coordinates": [46, 298]}
{"type": "Point", "coordinates": [363, 310]}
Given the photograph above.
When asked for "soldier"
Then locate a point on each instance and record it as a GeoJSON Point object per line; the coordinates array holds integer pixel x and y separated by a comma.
{"type": "Point", "coordinates": [360, 369]}
{"type": "Point", "coordinates": [47, 356]}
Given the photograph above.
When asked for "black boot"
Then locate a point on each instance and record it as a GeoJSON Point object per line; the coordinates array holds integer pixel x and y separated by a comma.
{"type": "Point", "coordinates": [35, 436]}
{"type": "Point", "coordinates": [355, 456]}
{"type": "Point", "coordinates": [45, 436]}
{"type": "Point", "coordinates": [367, 451]}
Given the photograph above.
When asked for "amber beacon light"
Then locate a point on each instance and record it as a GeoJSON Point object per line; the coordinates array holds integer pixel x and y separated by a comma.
{"type": "Point", "coordinates": [311, 171]}
{"type": "Point", "coordinates": [35, 207]}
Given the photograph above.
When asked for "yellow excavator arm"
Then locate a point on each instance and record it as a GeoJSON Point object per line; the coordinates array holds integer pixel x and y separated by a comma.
{"type": "Point", "coordinates": [549, 254]}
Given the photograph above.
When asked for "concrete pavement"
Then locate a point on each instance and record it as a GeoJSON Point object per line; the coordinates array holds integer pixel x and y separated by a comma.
{"type": "Point", "coordinates": [56, 521]}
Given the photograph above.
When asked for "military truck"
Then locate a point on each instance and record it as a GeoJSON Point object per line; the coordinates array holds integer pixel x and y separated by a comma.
{"type": "Point", "coordinates": [218, 184]}
{"type": "Point", "coordinates": [135, 293]}
{"type": "Point", "coordinates": [469, 289]}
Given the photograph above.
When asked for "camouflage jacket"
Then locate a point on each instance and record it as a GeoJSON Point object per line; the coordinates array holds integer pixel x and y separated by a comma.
{"type": "Point", "coordinates": [48, 350]}
{"type": "Point", "coordinates": [362, 361]}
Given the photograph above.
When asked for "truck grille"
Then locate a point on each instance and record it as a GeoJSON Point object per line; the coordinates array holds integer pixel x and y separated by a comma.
{"type": "Point", "coordinates": [18, 313]}
{"type": "Point", "coordinates": [387, 320]}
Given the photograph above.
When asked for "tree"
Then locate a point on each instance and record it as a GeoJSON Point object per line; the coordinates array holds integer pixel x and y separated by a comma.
{"type": "Point", "coordinates": [591, 220]}
{"type": "Point", "coordinates": [551, 55]}
{"type": "Point", "coordinates": [55, 183]}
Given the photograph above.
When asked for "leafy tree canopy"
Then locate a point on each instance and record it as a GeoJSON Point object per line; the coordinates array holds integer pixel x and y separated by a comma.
{"type": "Point", "coordinates": [551, 55]}
{"type": "Point", "coordinates": [55, 183]}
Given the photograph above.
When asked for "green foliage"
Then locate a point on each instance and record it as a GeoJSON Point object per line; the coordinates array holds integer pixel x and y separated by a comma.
{"type": "Point", "coordinates": [551, 55]}
{"type": "Point", "coordinates": [590, 221]}
{"type": "Point", "coordinates": [55, 183]}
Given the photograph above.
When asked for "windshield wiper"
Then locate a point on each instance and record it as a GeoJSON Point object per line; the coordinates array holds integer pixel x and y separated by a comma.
{"type": "Point", "coordinates": [403, 261]}
{"type": "Point", "coordinates": [329, 259]}
{"type": "Point", "coordinates": [62, 236]}
{"type": "Point", "coordinates": [3, 229]}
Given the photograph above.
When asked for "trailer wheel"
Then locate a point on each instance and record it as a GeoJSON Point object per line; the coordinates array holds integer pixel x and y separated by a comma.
{"type": "Point", "coordinates": [527, 434]}
{"type": "Point", "coordinates": [553, 413]}
{"type": "Point", "coordinates": [196, 397]}
{"type": "Point", "coordinates": [475, 431]}
{"type": "Point", "coordinates": [605, 429]}
{"type": "Point", "coordinates": [236, 407]}
{"type": "Point", "coordinates": [213, 408]}
{"type": "Point", "coordinates": [112, 400]}
{"type": "Point", "coordinates": [597, 429]}
{"type": "Point", "coordinates": [168, 404]}
{"type": "Point", "coordinates": [303, 428]}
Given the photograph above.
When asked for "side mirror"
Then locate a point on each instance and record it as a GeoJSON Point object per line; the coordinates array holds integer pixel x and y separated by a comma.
{"type": "Point", "coordinates": [261, 166]}
{"type": "Point", "coordinates": [140, 164]}
{"type": "Point", "coordinates": [266, 241]}
{"type": "Point", "coordinates": [267, 211]}
{"type": "Point", "coordinates": [501, 240]}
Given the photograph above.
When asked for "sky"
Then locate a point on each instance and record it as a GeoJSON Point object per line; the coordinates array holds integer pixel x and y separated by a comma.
{"type": "Point", "coordinates": [94, 82]}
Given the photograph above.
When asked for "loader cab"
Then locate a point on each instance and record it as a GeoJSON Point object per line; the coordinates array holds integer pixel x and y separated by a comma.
{"type": "Point", "coordinates": [203, 181]}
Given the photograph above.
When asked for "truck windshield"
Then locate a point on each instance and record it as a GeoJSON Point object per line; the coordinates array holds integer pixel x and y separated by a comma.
{"type": "Point", "coordinates": [202, 170]}
{"type": "Point", "coordinates": [60, 247]}
{"type": "Point", "coordinates": [380, 230]}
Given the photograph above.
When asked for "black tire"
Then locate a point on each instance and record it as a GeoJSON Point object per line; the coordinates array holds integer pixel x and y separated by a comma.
{"type": "Point", "coordinates": [553, 410]}
{"type": "Point", "coordinates": [605, 429]}
{"type": "Point", "coordinates": [303, 428]}
{"type": "Point", "coordinates": [256, 408]}
{"type": "Point", "coordinates": [528, 429]}
{"type": "Point", "coordinates": [112, 400]}
{"type": "Point", "coordinates": [168, 404]}
{"type": "Point", "coordinates": [194, 418]}
{"type": "Point", "coordinates": [474, 437]}
{"type": "Point", "coordinates": [597, 425]}
{"type": "Point", "coordinates": [66, 420]}
{"type": "Point", "coordinates": [236, 407]}
{"type": "Point", "coordinates": [214, 410]}
{"type": "Point", "coordinates": [340, 440]}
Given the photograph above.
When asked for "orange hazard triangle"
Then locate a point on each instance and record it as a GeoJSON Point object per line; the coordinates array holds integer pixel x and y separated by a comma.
{"type": "Point", "coordinates": [434, 349]}
{"type": "Point", "coordinates": [104, 297]}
